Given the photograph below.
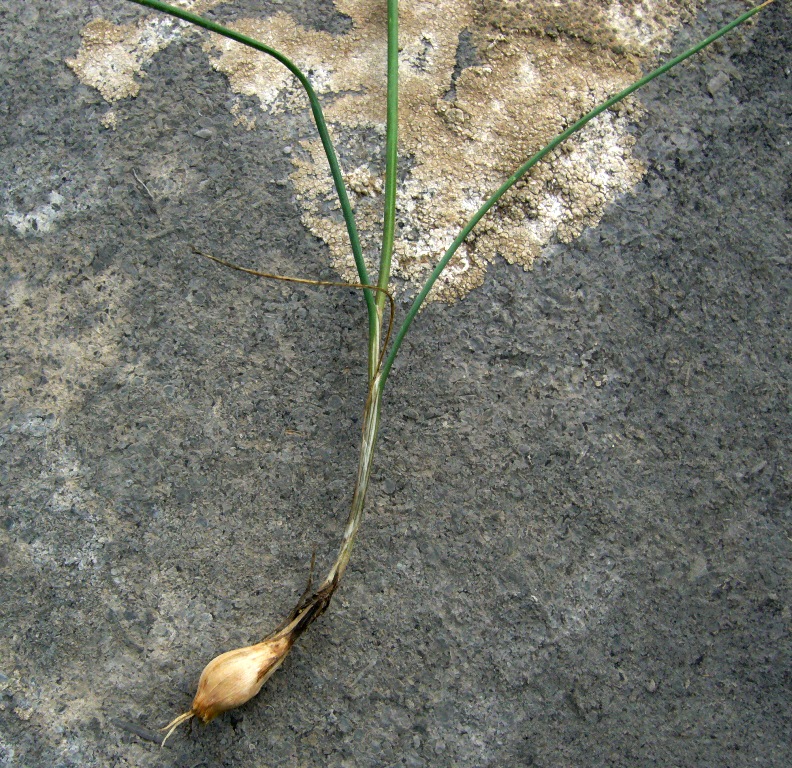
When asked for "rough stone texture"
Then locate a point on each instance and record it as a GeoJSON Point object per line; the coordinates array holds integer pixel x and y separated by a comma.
{"type": "Point", "coordinates": [578, 544]}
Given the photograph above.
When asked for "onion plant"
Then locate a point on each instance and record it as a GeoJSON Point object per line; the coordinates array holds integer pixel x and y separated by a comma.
{"type": "Point", "coordinates": [234, 677]}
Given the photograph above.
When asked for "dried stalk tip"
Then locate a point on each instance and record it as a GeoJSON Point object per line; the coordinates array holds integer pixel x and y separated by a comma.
{"type": "Point", "coordinates": [233, 678]}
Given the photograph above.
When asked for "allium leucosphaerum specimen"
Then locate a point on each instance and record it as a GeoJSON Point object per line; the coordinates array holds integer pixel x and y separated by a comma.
{"type": "Point", "coordinates": [235, 677]}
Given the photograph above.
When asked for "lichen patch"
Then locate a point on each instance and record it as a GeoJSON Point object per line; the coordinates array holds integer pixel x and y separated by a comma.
{"type": "Point", "coordinates": [112, 56]}
{"type": "Point", "coordinates": [539, 65]}
{"type": "Point", "coordinates": [110, 120]}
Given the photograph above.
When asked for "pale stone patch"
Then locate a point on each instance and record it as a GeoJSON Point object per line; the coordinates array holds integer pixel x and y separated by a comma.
{"type": "Point", "coordinates": [41, 219]}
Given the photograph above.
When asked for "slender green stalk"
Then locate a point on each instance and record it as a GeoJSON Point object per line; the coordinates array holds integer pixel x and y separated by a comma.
{"type": "Point", "coordinates": [525, 167]}
{"type": "Point", "coordinates": [371, 416]}
{"type": "Point", "coordinates": [391, 150]}
{"type": "Point", "coordinates": [371, 420]}
{"type": "Point", "coordinates": [391, 177]}
{"type": "Point", "coordinates": [321, 125]}
{"type": "Point", "coordinates": [371, 413]}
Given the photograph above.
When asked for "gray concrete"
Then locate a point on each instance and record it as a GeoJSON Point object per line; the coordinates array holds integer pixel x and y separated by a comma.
{"type": "Point", "coordinates": [578, 539]}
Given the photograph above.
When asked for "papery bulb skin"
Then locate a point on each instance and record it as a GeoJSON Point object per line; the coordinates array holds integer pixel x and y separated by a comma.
{"type": "Point", "coordinates": [234, 677]}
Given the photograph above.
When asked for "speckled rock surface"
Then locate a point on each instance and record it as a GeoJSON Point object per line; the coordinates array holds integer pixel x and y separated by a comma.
{"type": "Point", "coordinates": [577, 550]}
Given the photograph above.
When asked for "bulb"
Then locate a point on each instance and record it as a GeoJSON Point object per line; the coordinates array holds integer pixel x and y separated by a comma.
{"type": "Point", "coordinates": [234, 677]}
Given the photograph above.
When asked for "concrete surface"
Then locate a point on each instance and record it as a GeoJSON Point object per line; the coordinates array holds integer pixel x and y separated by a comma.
{"type": "Point", "coordinates": [578, 539]}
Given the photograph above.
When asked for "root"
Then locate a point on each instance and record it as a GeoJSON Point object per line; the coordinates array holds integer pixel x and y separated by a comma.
{"type": "Point", "coordinates": [174, 724]}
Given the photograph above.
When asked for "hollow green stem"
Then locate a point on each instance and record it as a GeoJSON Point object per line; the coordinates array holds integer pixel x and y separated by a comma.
{"type": "Point", "coordinates": [525, 167]}
{"type": "Point", "coordinates": [321, 125]}
{"type": "Point", "coordinates": [391, 177]}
